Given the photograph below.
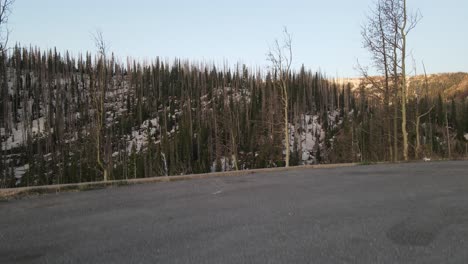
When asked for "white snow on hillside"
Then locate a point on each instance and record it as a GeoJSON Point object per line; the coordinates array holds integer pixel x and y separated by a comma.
{"type": "Point", "coordinates": [18, 136]}
{"type": "Point", "coordinates": [308, 136]}
{"type": "Point", "coordinates": [20, 171]}
{"type": "Point", "coordinates": [225, 164]}
{"type": "Point", "coordinates": [140, 137]}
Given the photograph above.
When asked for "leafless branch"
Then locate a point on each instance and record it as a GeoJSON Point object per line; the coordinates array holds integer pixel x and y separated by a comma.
{"type": "Point", "coordinates": [5, 11]}
{"type": "Point", "coordinates": [100, 43]}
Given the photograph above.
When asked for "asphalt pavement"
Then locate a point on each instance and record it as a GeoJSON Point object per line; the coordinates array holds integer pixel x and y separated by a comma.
{"type": "Point", "coordinates": [397, 213]}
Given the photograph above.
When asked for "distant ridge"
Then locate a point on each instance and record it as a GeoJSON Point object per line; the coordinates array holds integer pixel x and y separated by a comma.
{"type": "Point", "coordinates": [452, 84]}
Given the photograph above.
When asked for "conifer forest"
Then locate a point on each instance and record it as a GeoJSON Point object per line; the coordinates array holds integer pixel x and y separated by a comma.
{"type": "Point", "coordinates": [97, 117]}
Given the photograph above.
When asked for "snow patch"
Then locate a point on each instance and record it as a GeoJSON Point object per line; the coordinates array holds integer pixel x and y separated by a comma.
{"type": "Point", "coordinates": [19, 133]}
{"type": "Point", "coordinates": [140, 137]}
{"type": "Point", "coordinates": [225, 164]}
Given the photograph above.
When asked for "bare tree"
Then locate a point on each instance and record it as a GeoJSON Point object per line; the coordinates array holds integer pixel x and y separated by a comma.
{"type": "Point", "coordinates": [280, 57]}
{"type": "Point", "coordinates": [447, 130]}
{"type": "Point", "coordinates": [5, 11]}
{"type": "Point", "coordinates": [386, 38]}
{"type": "Point", "coordinates": [375, 35]}
{"type": "Point", "coordinates": [98, 95]}
{"type": "Point", "coordinates": [403, 23]}
{"type": "Point", "coordinates": [419, 115]}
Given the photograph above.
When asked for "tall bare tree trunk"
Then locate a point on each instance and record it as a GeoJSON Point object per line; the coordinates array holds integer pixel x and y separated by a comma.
{"type": "Point", "coordinates": [98, 96]}
{"type": "Point", "coordinates": [418, 140]}
{"type": "Point", "coordinates": [403, 84]}
{"type": "Point", "coordinates": [234, 152]}
{"type": "Point", "coordinates": [281, 58]}
{"type": "Point", "coordinates": [286, 124]}
{"type": "Point", "coordinates": [395, 108]}
{"type": "Point", "coordinates": [448, 134]}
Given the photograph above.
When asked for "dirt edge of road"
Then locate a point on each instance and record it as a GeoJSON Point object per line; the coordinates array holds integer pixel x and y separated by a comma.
{"type": "Point", "coordinates": [15, 193]}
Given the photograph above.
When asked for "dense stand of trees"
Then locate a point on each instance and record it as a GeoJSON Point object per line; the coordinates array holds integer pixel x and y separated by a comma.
{"type": "Point", "coordinates": [92, 118]}
{"type": "Point", "coordinates": [70, 119]}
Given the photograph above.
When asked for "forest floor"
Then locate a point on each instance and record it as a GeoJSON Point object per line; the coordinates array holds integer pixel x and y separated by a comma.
{"type": "Point", "coordinates": [392, 213]}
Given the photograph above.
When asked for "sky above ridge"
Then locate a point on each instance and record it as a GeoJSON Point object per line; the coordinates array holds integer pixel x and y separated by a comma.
{"type": "Point", "coordinates": [326, 34]}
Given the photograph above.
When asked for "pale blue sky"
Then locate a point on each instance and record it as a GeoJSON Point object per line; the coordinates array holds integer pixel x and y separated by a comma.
{"type": "Point", "coordinates": [326, 34]}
